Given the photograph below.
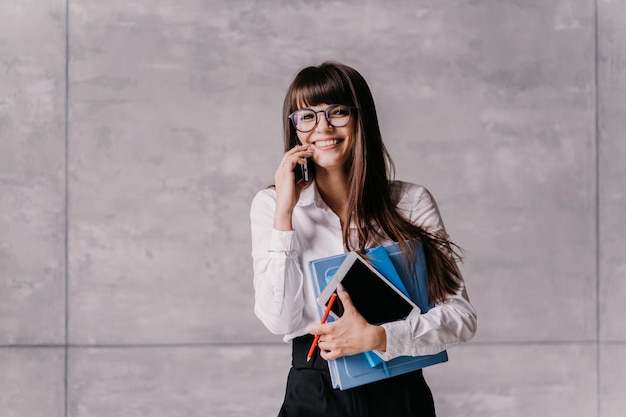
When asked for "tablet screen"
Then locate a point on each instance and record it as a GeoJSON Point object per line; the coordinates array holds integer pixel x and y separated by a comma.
{"type": "Point", "coordinates": [372, 297]}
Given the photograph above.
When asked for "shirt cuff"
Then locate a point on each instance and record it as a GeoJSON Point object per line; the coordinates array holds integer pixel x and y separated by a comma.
{"type": "Point", "coordinates": [282, 241]}
{"type": "Point", "coordinates": [398, 335]}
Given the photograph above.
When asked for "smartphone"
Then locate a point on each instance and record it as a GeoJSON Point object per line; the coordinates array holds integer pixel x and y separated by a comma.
{"type": "Point", "coordinates": [302, 170]}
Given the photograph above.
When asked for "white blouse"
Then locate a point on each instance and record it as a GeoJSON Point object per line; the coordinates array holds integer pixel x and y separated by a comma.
{"type": "Point", "coordinates": [284, 297]}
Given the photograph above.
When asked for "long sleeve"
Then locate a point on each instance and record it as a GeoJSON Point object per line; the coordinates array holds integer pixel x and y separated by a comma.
{"type": "Point", "coordinates": [442, 327]}
{"type": "Point", "coordinates": [278, 278]}
{"type": "Point", "coordinates": [445, 325]}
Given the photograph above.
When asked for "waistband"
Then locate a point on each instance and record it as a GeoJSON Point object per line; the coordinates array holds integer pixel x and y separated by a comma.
{"type": "Point", "coordinates": [300, 348]}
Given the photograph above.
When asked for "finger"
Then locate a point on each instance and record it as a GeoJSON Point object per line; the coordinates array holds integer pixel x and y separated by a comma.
{"type": "Point", "coordinates": [315, 329]}
{"type": "Point", "coordinates": [344, 297]}
{"type": "Point", "coordinates": [320, 329]}
{"type": "Point", "coordinates": [291, 160]}
{"type": "Point", "coordinates": [303, 151]}
{"type": "Point", "coordinates": [329, 355]}
{"type": "Point", "coordinates": [288, 159]}
{"type": "Point", "coordinates": [286, 168]}
{"type": "Point", "coordinates": [298, 149]}
{"type": "Point", "coordinates": [325, 346]}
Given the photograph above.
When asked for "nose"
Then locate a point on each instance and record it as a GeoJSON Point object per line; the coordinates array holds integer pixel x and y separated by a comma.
{"type": "Point", "coordinates": [322, 122]}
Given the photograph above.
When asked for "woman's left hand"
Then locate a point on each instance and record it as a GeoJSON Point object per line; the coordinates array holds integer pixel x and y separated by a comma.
{"type": "Point", "coordinates": [350, 334]}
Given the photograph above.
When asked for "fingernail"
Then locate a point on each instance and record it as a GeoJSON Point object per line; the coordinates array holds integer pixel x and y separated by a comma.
{"type": "Point", "coordinates": [340, 287]}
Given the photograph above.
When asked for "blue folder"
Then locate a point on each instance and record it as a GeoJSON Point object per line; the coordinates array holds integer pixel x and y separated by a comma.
{"type": "Point", "coordinates": [363, 368]}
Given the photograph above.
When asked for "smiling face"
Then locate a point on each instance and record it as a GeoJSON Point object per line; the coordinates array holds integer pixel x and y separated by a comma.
{"type": "Point", "coordinates": [342, 146]}
{"type": "Point", "coordinates": [332, 146]}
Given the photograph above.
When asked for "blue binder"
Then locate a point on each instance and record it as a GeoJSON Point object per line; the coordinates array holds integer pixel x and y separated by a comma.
{"type": "Point", "coordinates": [363, 368]}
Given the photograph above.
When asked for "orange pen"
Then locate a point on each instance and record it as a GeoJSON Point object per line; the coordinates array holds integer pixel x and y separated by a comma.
{"type": "Point", "coordinates": [324, 318]}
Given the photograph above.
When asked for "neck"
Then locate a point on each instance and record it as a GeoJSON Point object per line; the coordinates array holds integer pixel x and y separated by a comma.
{"type": "Point", "coordinates": [333, 187]}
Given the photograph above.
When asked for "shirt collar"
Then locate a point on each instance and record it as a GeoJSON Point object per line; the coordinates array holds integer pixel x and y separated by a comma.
{"type": "Point", "coordinates": [311, 195]}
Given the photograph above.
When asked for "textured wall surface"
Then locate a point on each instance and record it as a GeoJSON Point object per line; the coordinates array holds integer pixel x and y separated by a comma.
{"type": "Point", "coordinates": [134, 134]}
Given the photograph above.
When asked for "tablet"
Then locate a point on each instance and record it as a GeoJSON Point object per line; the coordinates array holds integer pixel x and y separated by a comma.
{"type": "Point", "coordinates": [377, 299]}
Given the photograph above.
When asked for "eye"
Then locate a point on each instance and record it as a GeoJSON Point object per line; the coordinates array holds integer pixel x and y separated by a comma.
{"type": "Point", "coordinates": [339, 111]}
{"type": "Point", "coordinates": [306, 116]}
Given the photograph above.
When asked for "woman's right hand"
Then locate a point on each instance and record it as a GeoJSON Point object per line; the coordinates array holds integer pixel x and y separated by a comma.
{"type": "Point", "coordinates": [287, 190]}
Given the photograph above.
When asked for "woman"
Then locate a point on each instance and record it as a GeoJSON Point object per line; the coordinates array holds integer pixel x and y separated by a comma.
{"type": "Point", "coordinates": [349, 203]}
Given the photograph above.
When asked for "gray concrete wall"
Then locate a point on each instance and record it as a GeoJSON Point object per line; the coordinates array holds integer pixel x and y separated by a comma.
{"type": "Point", "coordinates": [133, 135]}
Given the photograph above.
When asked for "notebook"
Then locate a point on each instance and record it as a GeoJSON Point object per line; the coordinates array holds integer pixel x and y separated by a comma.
{"type": "Point", "coordinates": [363, 368]}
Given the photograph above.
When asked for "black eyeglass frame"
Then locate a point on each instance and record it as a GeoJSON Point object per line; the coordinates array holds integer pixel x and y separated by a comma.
{"type": "Point", "coordinates": [351, 110]}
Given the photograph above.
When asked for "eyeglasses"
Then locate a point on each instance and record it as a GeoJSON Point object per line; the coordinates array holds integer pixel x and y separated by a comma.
{"type": "Point", "coordinates": [337, 115]}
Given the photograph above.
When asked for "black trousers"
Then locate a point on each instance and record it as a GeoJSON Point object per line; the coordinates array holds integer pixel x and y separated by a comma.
{"type": "Point", "coordinates": [309, 392]}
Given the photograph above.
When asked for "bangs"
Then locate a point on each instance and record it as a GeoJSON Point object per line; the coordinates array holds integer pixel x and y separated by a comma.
{"type": "Point", "coordinates": [315, 86]}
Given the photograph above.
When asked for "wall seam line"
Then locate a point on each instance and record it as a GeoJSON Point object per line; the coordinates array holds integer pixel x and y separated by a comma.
{"type": "Point", "coordinates": [70, 346]}
{"type": "Point", "coordinates": [597, 204]}
{"type": "Point", "coordinates": [66, 345]}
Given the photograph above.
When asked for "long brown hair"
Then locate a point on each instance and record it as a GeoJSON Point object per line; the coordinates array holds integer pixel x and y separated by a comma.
{"type": "Point", "coordinates": [369, 175]}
